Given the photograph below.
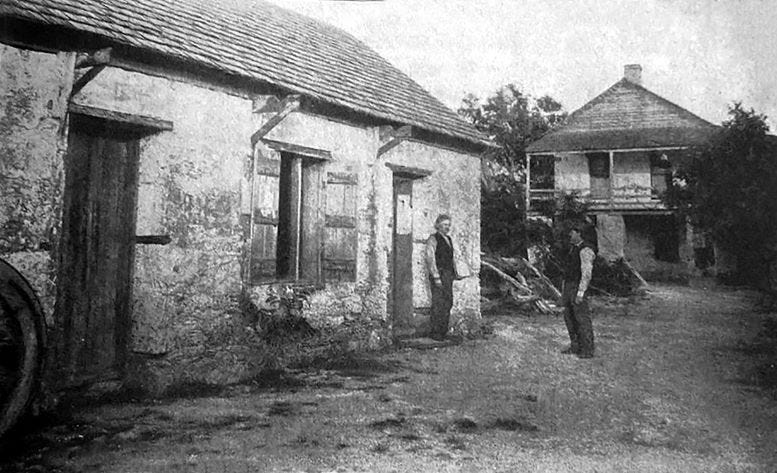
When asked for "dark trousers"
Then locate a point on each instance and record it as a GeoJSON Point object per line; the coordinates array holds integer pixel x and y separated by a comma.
{"type": "Point", "coordinates": [578, 320]}
{"type": "Point", "coordinates": [442, 301]}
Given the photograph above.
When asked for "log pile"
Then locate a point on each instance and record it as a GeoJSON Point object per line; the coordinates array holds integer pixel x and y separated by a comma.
{"type": "Point", "coordinates": [518, 282]}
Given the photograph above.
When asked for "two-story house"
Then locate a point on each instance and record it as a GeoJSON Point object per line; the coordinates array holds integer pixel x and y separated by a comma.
{"type": "Point", "coordinates": [616, 153]}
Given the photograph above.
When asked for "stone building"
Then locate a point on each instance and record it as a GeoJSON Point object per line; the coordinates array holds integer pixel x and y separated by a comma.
{"type": "Point", "coordinates": [164, 161]}
{"type": "Point", "coordinates": [616, 153]}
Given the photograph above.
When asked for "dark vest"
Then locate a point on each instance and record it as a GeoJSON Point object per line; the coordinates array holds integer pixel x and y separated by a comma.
{"type": "Point", "coordinates": [443, 254]}
{"type": "Point", "coordinates": [572, 269]}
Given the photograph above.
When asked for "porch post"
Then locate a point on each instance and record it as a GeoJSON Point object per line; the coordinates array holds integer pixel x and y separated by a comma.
{"type": "Point", "coordinates": [610, 192]}
{"type": "Point", "coordinates": [528, 181]}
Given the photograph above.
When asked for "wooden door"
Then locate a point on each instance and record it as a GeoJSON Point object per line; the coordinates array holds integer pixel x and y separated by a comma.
{"type": "Point", "coordinates": [402, 267]}
{"type": "Point", "coordinates": [97, 252]}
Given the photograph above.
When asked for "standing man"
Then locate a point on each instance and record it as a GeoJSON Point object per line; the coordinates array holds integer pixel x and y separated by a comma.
{"type": "Point", "coordinates": [577, 276]}
{"type": "Point", "coordinates": [442, 272]}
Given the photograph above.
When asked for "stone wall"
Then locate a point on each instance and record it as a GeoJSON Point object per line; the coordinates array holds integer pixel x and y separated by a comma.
{"type": "Point", "coordinates": [33, 104]}
{"type": "Point", "coordinates": [640, 247]}
{"type": "Point", "coordinates": [452, 188]}
{"type": "Point", "coordinates": [187, 321]}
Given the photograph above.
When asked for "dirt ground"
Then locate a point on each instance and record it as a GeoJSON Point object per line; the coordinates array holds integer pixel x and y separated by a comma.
{"type": "Point", "coordinates": [685, 379]}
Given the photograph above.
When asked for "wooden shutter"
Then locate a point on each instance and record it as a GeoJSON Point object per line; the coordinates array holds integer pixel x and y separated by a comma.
{"type": "Point", "coordinates": [339, 259]}
{"type": "Point", "coordinates": [263, 246]}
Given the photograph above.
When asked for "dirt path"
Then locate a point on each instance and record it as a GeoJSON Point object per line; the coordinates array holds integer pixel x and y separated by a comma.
{"type": "Point", "coordinates": [684, 380]}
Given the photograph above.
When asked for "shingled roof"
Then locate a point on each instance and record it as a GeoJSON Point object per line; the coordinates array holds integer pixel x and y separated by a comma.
{"type": "Point", "coordinates": [260, 41]}
{"type": "Point", "coordinates": [626, 116]}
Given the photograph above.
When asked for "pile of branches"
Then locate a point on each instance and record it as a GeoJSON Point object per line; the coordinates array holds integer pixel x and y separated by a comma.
{"type": "Point", "coordinates": [517, 282]}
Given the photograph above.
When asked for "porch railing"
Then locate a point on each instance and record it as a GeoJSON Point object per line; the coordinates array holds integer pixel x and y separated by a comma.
{"type": "Point", "coordinates": [628, 198]}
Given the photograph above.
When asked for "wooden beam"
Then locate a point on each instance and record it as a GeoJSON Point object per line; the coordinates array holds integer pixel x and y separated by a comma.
{"type": "Point", "coordinates": [395, 136]}
{"type": "Point", "coordinates": [153, 239]}
{"type": "Point", "coordinates": [84, 79]}
{"type": "Point", "coordinates": [101, 57]}
{"type": "Point", "coordinates": [287, 105]}
{"type": "Point", "coordinates": [408, 171]}
{"type": "Point", "coordinates": [298, 149]}
{"type": "Point", "coordinates": [143, 121]}
{"type": "Point", "coordinates": [607, 150]}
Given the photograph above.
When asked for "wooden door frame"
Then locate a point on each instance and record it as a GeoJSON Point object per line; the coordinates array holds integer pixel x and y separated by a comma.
{"type": "Point", "coordinates": [410, 175]}
{"type": "Point", "coordinates": [131, 133]}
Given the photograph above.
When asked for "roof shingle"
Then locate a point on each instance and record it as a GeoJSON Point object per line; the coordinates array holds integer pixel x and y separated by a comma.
{"type": "Point", "coordinates": [260, 41]}
{"type": "Point", "coordinates": [625, 116]}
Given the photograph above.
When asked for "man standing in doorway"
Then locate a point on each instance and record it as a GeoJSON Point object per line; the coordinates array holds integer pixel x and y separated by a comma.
{"type": "Point", "coordinates": [577, 276]}
{"type": "Point", "coordinates": [442, 272]}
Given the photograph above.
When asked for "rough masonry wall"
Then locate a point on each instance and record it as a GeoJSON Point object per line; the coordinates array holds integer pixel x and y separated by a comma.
{"type": "Point", "coordinates": [353, 150]}
{"type": "Point", "coordinates": [34, 88]}
{"type": "Point", "coordinates": [611, 236]}
{"type": "Point", "coordinates": [185, 302]}
{"type": "Point", "coordinates": [452, 188]}
{"type": "Point", "coordinates": [639, 249]}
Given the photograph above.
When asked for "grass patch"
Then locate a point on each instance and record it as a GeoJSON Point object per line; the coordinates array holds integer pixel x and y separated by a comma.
{"type": "Point", "coordinates": [456, 443]}
{"type": "Point", "coordinates": [514, 425]}
{"type": "Point", "coordinates": [409, 437]}
{"type": "Point", "coordinates": [465, 425]}
{"type": "Point", "coordinates": [276, 380]}
{"type": "Point", "coordinates": [380, 447]}
{"type": "Point", "coordinates": [357, 365]}
{"type": "Point", "coordinates": [281, 408]}
{"type": "Point", "coordinates": [388, 423]}
{"type": "Point", "coordinates": [193, 390]}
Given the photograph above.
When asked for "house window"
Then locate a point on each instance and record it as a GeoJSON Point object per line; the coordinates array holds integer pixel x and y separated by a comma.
{"type": "Point", "coordinates": [599, 171]}
{"type": "Point", "coordinates": [541, 172]}
{"type": "Point", "coordinates": [304, 221]}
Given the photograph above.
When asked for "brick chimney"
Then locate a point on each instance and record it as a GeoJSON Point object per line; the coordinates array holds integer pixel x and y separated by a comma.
{"type": "Point", "coordinates": [633, 73]}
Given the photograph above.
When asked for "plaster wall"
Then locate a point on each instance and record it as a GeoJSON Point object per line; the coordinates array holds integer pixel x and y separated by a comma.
{"type": "Point", "coordinates": [33, 103]}
{"type": "Point", "coordinates": [611, 236]}
{"type": "Point", "coordinates": [353, 149]}
{"type": "Point", "coordinates": [185, 293]}
{"type": "Point", "coordinates": [631, 175]}
{"type": "Point", "coordinates": [571, 173]}
{"type": "Point", "coordinates": [639, 249]}
{"type": "Point", "coordinates": [194, 181]}
{"type": "Point", "coordinates": [452, 188]}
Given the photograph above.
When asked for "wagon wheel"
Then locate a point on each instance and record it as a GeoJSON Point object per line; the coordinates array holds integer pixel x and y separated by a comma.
{"type": "Point", "coordinates": [21, 345]}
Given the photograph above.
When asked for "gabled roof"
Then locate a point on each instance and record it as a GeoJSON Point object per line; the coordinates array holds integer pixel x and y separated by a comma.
{"type": "Point", "coordinates": [260, 41]}
{"type": "Point", "coordinates": [625, 116]}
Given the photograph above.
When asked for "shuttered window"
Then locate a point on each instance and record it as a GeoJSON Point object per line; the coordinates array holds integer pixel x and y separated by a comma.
{"type": "Point", "coordinates": [339, 259]}
{"type": "Point", "coordinates": [265, 231]}
{"type": "Point", "coordinates": [289, 220]}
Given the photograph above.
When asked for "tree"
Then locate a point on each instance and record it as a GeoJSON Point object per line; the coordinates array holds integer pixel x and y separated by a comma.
{"type": "Point", "coordinates": [512, 120]}
{"type": "Point", "coordinates": [729, 189]}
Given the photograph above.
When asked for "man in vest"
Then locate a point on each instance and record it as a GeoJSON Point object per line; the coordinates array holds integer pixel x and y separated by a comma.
{"type": "Point", "coordinates": [442, 272]}
{"type": "Point", "coordinates": [577, 276]}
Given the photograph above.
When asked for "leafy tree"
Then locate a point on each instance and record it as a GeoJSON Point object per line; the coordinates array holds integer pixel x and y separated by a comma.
{"type": "Point", "coordinates": [729, 188]}
{"type": "Point", "coordinates": [512, 120]}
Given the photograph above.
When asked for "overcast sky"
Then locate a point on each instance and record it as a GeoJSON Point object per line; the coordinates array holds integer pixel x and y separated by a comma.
{"type": "Point", "coordinates": [700, 54]}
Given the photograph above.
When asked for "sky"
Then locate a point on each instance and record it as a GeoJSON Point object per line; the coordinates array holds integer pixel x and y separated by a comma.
{"type": "Point", "coordinates": [701, 54]}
